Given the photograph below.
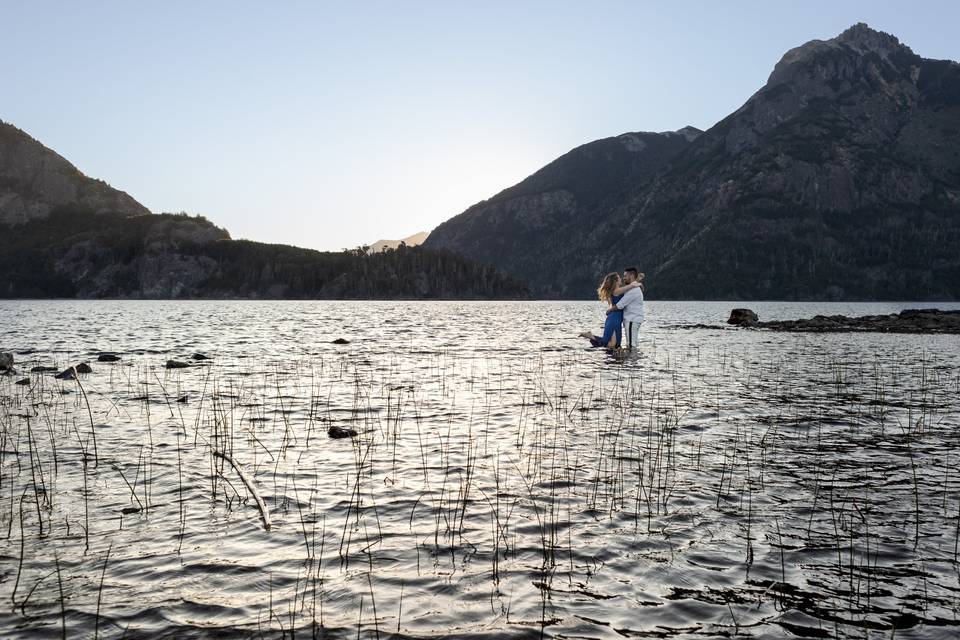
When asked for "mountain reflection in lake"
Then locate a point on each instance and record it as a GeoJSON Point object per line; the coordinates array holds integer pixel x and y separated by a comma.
{"type": "Point", "coordinates": [505, 479]}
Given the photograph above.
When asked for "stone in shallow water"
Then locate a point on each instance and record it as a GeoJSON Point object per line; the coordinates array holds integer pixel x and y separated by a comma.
{"type": "Point", "coordinates": [743, 317]}
{"type": "Point", "coordinates": [23, 382]}
{"type": "Point", "coordinates": [67, 374]}
{"type": "Point", "coordinates": [200, 356]}
{"type": "Point", "coordinates": [6, 361]}
{"type": "Point", "coordinates": [42, 369]}
{"type": "Point", "coordinates": [83, 367]}
{"type": "Point", "coordinates": [341, 341]}
{"type": "Point", "coordinates": [108, 357]}
{"type": "Point", "coordinates": [176, 364]}
{"type": "Point", "coordinates": [340, 432]}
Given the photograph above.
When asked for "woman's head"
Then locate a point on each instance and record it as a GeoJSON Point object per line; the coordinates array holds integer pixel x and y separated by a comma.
{"type": "Point", "coordinates": [610, 282]}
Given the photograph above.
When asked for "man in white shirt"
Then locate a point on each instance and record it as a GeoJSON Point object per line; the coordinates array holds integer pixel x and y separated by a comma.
{"type": "Point", "coordinates": [632, 305]}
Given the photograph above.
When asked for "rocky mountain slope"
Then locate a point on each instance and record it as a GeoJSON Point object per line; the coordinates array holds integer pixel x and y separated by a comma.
{"type": "Point", "coordinates": [66, 235]}
{"type": "Point", "coordinates": [35, 180]}
{"type": "Point", "coordinates": [839, 179]}
{"type": "Point", "coordinates": [540, 229]}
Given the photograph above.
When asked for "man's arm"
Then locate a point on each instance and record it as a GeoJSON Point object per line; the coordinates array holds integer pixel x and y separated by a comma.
{"type": "Point", "coordinates": [622, 289]}
{"type": "Point", "coordinates": [629, 297]}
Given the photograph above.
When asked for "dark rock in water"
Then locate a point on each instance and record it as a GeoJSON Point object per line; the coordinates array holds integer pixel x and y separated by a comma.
{"type": "Point", "coordinates": [200, 356]}
{"type": "Point", "coordinates": [108, 357]}
{"type": "Point", "coordinates": [6, 361]}
{"type": "Point", "coordinates": [340, 432]}
{"type": "Point", "coordinates": [183, 399]}
{"type": "Point", "coordinates": [743, 318]}
{"type": "Point", "coordinates": [24, 382]}
{"type": "Point", "coordinates": [129, 510]}
{"type": "Point", "coordinates": [67, 374]}
{"type": "Point", "coordinates": [42, 369]}
{"type": "Point", "coordinates": [341, 341]}
{"type": "Point", "coordinates": [176, 364]}
{"type": "Point", "coordinates": [907, 321]}
{"type": "Point", "coordinates": [83, 367]}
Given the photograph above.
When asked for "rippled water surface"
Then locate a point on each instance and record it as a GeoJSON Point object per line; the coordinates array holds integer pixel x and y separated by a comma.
{"type": "Point", "coordinates": [504, 480]}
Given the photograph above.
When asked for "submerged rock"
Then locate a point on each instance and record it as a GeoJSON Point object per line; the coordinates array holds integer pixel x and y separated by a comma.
{"type": "Point", "coordinates": [69, 373]}
{"type": "Point", "coordinates": [743, 317]}
{"type": "Point", "coordinates": [83, 367]}
{"type": "Point", "coordinates": [341, 341]}
{"type": "Point", "coordinates": [108, 357]}
{"type": "Point", "coordinates": [341, 432]}
{"type": "Point", "coordinates": [42, 369]}
{"type": "Point", "coordinates": [6, 361]}
{"type": "Point", "coordinates": [24, 382]}
{"type": "Point", "coordinates": [200, 356]}
{"type": "Point", "coordinates": [176, 364]}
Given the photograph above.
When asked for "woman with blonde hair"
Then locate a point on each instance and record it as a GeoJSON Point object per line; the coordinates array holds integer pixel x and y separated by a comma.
{"type": "Point", "coordinates": [610, 291]}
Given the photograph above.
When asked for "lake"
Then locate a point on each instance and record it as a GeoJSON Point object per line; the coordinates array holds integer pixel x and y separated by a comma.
{"type": "Point", "coordinates": [505, 480]}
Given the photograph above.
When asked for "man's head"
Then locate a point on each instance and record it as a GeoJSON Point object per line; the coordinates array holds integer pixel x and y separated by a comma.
{"type": "Point", "coordinates": [630, 274]}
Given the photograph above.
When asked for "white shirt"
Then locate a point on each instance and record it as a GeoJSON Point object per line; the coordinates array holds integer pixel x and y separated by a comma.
{"type": "Point", "coordinates": [632, 305]}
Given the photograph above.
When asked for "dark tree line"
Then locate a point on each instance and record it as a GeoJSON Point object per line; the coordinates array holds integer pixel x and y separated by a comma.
{"type": "Point", "coordinates": [76, 253]}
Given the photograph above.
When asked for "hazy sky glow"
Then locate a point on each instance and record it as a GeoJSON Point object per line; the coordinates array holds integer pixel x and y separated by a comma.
{"type": "Point", "coordinates": [331, 125]}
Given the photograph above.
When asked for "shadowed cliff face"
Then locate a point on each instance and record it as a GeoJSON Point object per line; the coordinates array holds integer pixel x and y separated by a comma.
{"type": "Point", "coordinates": [840, 178]}
{"type": "Point", "coordinates": [35, 180]}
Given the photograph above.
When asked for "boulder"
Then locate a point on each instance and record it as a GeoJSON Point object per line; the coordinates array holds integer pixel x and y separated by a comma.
{"type": "Point", "coordinates": [67, 374]}
{"type": "Point", "coordinates": [176, 364]}
{"type": "Point", "coordinates": [24, 382]}
{"type": "Point", "coordinates": [200, 356]}
{"type": "Point", "coordinates": [341, 432]}
{"type": "Point", "coordinates": [83, 367]}
{"type": "Point", "coordinates": [743, 318]}
{"type": "Point", "coordinates": [42, 369]}
{"type": "Point", "coordinates": [108, 357]}
{"type": "Point", "coordinates": [6, 361]}
{"type": "Point", "coordinates": [341, 341]}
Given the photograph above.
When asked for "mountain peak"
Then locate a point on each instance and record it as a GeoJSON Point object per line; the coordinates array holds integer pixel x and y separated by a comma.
{"type": "Point", "coordinates": [861, 35]}
{"type": "Point", "coordinates": [688, 132]}
{"type": "Point", "coordinates": [863, 38]}
{"type": "Point", "coordinates": [824, 59]}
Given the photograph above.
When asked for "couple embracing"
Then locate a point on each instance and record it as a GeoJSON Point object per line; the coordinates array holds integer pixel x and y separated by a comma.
{"type": "Point", "coordinates": [624, 298]}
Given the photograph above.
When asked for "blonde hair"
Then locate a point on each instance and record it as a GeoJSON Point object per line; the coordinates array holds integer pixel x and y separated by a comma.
{"type": "Point", "coordinates": [607, 285]}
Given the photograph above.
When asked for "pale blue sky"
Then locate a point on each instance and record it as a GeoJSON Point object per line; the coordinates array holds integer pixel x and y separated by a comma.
{"type": "Point", "coordinates": [328, 125]}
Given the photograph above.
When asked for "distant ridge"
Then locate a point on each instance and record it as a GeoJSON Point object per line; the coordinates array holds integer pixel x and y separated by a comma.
{"type": "Point", "coordinates": [411, 241]}
{"type": "Point", "coordinates": [838, 179]}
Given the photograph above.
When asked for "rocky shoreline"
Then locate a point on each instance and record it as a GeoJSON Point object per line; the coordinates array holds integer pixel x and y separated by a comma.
{"type": "Point", "coordinates": [907, 321]}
